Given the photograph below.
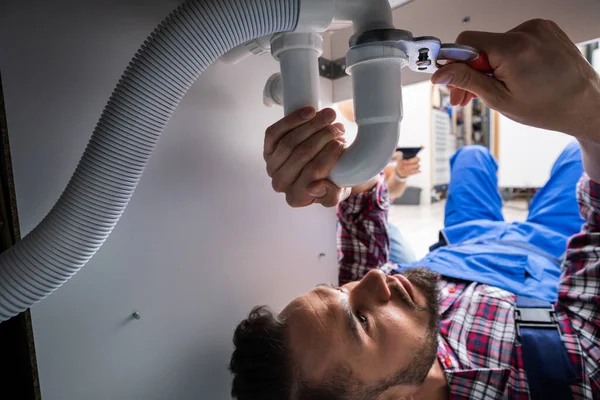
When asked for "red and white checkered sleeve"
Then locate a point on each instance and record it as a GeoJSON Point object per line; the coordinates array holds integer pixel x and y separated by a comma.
{"type": "Point", "coordinates": [362, 235]}
{"type": "Point", "coordinates": [579, 289]}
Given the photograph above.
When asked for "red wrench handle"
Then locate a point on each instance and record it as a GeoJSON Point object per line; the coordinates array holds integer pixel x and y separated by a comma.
{"type": "Point", "coordinates": [482, 64]}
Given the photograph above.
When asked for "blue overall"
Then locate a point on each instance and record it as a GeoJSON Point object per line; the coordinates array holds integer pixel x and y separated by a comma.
{"type": "Point", "coordinates": [521, 257]}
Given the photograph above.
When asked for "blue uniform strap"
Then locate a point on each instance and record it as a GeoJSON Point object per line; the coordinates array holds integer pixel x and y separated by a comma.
{"type": "Point", "coordinates": [547, 365]}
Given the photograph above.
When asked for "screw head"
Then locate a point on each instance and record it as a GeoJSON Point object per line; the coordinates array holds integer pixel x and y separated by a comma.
{"type": "Point", "coordinates": [136, 315]}
{"type": "Point", "coordinates": [466, 20]}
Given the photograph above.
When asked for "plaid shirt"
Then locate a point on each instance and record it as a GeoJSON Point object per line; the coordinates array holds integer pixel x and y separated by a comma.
{"type": "Point", "coordinates": [477, 342]}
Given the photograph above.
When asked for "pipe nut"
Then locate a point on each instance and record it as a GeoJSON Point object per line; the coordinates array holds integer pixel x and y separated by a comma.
{"type": "Point", "coordinates": [373, 52]}
{"type": "Point", "coordinates": [293, 41]}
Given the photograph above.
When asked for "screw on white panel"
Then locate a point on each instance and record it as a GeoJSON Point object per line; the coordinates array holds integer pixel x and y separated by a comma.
{"type": "Point", "coordinates": [466, 20]}
{"type": "Point", "coordinates": [322, 255]}
{"type": "Point", "coordinates": [136, 315]}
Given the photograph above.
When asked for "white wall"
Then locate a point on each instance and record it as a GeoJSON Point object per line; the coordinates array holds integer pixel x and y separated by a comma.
{"type": "Point", "coordinates": [204, 237]}
{"type": "Point", "coordinates": [416, 131]}
{"type": "Point", "coordinates": [526, 154]}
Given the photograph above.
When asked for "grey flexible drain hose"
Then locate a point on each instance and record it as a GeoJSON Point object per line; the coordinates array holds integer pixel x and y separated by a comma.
{"type": "Point", "coordinates": [174, 55]}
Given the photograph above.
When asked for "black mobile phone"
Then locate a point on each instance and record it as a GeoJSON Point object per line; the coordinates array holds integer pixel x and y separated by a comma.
{"type": "Point", "coordinates": [408, 152]}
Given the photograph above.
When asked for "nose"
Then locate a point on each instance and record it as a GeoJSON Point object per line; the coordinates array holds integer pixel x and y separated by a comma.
{"type": "Point", "coordinates": [371, 290]}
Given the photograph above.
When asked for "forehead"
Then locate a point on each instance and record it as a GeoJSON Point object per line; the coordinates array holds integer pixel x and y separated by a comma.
{"type": "Point", "coordinates": [313, 332]}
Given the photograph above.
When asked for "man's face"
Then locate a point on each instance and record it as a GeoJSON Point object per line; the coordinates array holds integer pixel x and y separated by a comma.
{"type": "Point", "coordinates": [380, 328]}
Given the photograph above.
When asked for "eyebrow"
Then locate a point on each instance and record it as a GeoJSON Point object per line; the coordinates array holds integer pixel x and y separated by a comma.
{"type": "Point", "coordinates": [351, 319]}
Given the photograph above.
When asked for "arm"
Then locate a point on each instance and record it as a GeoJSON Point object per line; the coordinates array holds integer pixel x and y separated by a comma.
{"type": "Point", "coordinates": [590, 153]}
{"type": "Point", "coordinates": [363, 242]}
{"type": "Point", "coordinates": [398, 171]}
{"type": "Point", "coordinates": [396, 188]}
{"type": "Point", "coordinates": [578, 303]}
{"type": "Point", "coordinates": [561, 95]}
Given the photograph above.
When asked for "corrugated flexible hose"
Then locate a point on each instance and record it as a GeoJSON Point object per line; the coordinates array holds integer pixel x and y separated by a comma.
{"type": "Point", "coordinates": [168, 63]}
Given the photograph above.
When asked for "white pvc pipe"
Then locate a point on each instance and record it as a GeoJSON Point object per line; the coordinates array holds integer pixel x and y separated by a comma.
{"type": "Point", "coordinates": [365, 15]}
{"type": "Point", "coordinates": [298, 54]}
{"type": "Point", "coordinates": [377, 85]}
{"type": "Point", "coordinates": [300, 78]}
{"type": "Point", "coordinates": [315, 15]}
{"type": "Point", "coordinates": [376, 77]}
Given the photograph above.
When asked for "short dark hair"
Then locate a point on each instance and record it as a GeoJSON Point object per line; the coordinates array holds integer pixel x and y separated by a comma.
{"type": "Point", "coordinates": [263, 370]}
{"type": "Point", "coordinates": [260, 362]}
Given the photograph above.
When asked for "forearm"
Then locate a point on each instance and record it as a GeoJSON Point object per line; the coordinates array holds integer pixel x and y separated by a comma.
{"type": "Point", "coordinates": [395, 188]}
{"type": "Point", "coordinates": [587, 131]}
{"type": "Point", "coordinates": [590, 152]}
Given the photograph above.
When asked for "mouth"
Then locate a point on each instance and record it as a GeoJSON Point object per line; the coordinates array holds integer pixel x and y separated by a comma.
{"type": "Point", "coordinates": [405, 286]}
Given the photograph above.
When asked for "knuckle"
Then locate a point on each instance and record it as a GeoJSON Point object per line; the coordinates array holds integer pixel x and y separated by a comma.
{"type": "Point", "coordinates": [536, 23]}
{"type": "Point", "coordinates": [270, 132]}
{"type": "Point", "coordinates": [278, 185]}
{"type": "Point", "coordinates": [464, 37]}
{"type": "Point", "coordinates": [317, 123]}
{"type": "Point", "coordinates": [285, 147]}
{"type": "Point", "coordinates": [293, 201]}
{"type": "Point", "coordinates": [315, 169]}
{"type": "Point", "coordinates": [302, 152]}
{"type": "Point", "coordinates": [330, 131]}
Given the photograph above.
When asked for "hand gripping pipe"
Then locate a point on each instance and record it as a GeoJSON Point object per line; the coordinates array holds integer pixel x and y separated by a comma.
{"type": "Point", "coordinates": [188, 41]}
{"type": "Point", "coordinates": [376, 75]}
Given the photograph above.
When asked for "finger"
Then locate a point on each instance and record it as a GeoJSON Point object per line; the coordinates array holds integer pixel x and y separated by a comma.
{"type": "Point", "coordinates": [283, 126]}
{"type": "Point", "coordinates": [317, 169]}
{"type": "Point", "coordinates": [409, 171]}
{"type": "Point", "coordinates": [411, 164]}
{"type": "Point", "coordinates": [330, 194]}
{"type": "Point", "coordinates": [297, 202]}
{"type": "Point", "coordinates": [467, 99]}
{"type": "Point", "coordinates": [461, 76]}
{"type": "Point", "coordinates": [460, 96]}
{"type": "Point", "coordinates": [457, 96]}
{"type": "Point", "coordinates": [411, 161]}
{"type": "Point", "coordinates": [301, 156]}
{"type": "Point", "coordinates": [340, 126]}
{"type": "Point", "coordinates": [288, 142]}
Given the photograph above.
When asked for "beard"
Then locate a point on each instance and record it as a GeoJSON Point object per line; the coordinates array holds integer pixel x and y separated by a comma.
{"type": "Point", "coordinates": [426, 281]}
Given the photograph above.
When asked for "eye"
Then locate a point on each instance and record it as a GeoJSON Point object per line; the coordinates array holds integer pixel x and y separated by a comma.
{"type": "Point", "coordinates": [362, 319]}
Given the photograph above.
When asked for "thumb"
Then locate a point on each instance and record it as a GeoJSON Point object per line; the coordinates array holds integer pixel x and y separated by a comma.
{"type": "Point", "coordinates": [327, 193]}
{"type": "Point", "coordinates": [463, 77]}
